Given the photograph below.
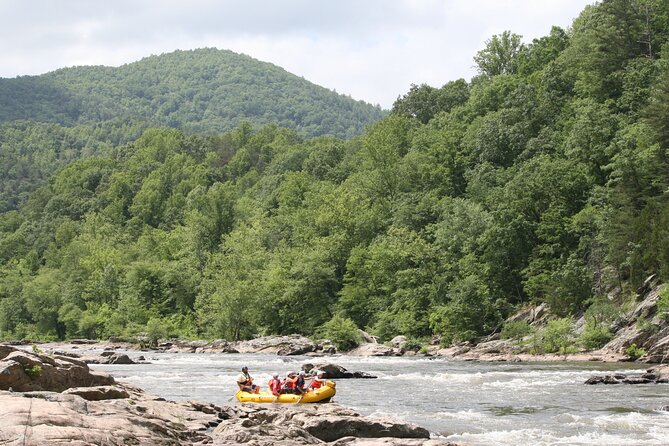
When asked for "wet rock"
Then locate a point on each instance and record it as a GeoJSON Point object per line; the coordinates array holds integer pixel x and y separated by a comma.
{"type": "Point", "coordinates": [120, 358]}
{"type": "Point", "coordinates": [659, 375]}
{"type": "Point", "coordinates": [368, 338]}
{"type": "Point", "coordinates": [334, 371]}
{"type": "Point", "coordinates": [354, 441]}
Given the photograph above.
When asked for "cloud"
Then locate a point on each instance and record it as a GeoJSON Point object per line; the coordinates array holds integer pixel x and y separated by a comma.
{"type": "Point", "coordinates": [372, 50]}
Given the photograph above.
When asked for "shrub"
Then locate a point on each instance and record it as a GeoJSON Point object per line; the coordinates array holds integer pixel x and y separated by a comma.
{"type": "Point", "coordinates": [635, 352]}
{"type": "Point", "coordinates": [557, 336]}
{"type": "Point", "coordinates": [595, 336]}
{"type": "Point", "coordinates": [342, 332]}
{"type": "Point", "coordinates": [412, 344]}
{"type": "Point", "coordinates": [155, 330]}
{"type": "Point", "coordinates": [33, 371]}
{"type": "Point", "coordinates": [516, 330]}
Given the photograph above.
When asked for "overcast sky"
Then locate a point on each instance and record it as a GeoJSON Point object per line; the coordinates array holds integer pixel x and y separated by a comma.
{"type": "Point", "coordinates": [370, 49]}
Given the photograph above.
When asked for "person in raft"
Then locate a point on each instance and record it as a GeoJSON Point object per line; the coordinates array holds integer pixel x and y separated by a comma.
{"type": "Point", "coordinates": [275, 385]}
{"type": "Point", "coordinates": [300, 382]}
{"type": "Point", "coordinates": [245, 382]}
{"type": "Point", "coordinates": [317, 382]}
{"type": "Point", "coordinates": [290, 384]}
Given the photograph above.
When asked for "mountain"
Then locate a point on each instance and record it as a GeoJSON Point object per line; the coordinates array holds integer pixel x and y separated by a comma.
{"type": "Point", "coordinates": [204, 91]}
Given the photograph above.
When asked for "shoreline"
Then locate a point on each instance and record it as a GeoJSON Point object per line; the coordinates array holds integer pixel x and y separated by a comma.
{"type": "Point", "coordinates": [492, 351]}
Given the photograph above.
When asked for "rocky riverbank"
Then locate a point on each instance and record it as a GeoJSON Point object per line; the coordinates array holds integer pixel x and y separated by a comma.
{"type": "Point", "coordinates": [644, 327]}
{"type": "Point", "coordinates": [55, 399]}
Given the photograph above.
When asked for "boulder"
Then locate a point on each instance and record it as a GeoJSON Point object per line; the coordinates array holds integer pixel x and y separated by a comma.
{"type": "Point", "coordinates": [281, 345]}
{"type": "Point", "coordinates": [38, 418]}
{"type": "Point", "coordinates": [25, 371]}
{"type": "Point", "coordinates": [98, 393]}
{"type": "Point", "coordinates": [398, 341]}
{"type": "Point", "coordinates": [334, 371]}
{"type": "Point", "coordinates": [374, 350]}
{"type": "Point", "coordinates": [120, 358]}
{"type": "Point", "coordinates": [367, 338]}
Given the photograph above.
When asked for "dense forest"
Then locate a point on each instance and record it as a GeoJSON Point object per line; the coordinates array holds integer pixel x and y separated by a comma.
{"type": "Point", "coordinates": [49, 120]}
{"type": "Point", "coordinates": [543, 179]}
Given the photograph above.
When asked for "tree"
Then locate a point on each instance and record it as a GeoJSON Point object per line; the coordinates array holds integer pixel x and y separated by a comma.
{"type": "Point", "coordinates": [500, 55]}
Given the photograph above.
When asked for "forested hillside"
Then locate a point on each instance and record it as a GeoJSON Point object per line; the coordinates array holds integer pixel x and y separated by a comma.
{"type": "Point", "coordinates": [53, 119]}
{"type": "Point", "coordinates": [206, 91]}
{"type": "Point", "coordinates": [544, 179]}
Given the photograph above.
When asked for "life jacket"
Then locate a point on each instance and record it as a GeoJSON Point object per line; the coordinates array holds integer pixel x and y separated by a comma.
{"type": "Point", "coordinates": [291, 383]}
{"type": "Point", "coordinates": [316, 383]}
{"type": "Point", "coordinates": [300, 381]}
{"type": "Point", "coordinates": [249, 380]}
{"type": "Point", "coordinates": [275, 386]}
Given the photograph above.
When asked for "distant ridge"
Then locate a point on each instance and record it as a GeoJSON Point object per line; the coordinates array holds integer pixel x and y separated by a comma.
{"type": "Point", "coordinates": [204, 91]}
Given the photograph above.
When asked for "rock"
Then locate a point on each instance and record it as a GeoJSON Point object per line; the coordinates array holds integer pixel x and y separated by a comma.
{"type": "Point", "coordinates": [398, 341]}
{"type": "Point", "coordinates": [354, 441]}
{"type": "Point", "coordinates": [367, 338]}
{"type": "Point", "coordinates": [374, 350]}
{"type": "Point", "coordinates": [98, 393]}
{"type": "Point", "coordinates": [120, 358]}
{"type": "Point", "coordinates": [38, 418]}
{"type": "Point", "coordinates": [83, 341]}
{"type": "Point", "coordinates": [334, 371]}
{"type": "Point", "coordinates": [310, 424]}
{"type": "Point", "coordinates": [281, 345]}
{"type": "Point", "coordinates": [25, 371]}
{"type": "Point", "coordinates": [659, 375]}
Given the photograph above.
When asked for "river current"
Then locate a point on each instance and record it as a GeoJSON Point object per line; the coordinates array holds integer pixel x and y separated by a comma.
{"type": "Point", "coordinates": [469, 402]}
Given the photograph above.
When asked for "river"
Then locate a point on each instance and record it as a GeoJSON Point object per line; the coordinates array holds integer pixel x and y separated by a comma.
{"type": "Point", "coordinates": [470, 402]}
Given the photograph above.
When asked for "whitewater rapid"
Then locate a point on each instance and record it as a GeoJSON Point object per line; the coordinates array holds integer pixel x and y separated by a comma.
{"type": "Point", "coordinates": [468, 402]}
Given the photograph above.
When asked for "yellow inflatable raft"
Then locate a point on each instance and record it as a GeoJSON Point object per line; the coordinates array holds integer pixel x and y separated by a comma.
{"type": "Point", "coordinates": [321, 395]}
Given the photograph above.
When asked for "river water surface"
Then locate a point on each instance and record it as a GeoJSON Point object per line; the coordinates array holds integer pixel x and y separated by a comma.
{"type": "Point", "coordinates": [470, 402]}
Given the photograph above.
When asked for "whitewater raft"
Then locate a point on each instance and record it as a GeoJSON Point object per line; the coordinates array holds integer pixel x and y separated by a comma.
{"type": "Point", "coordinates": [321, 395]}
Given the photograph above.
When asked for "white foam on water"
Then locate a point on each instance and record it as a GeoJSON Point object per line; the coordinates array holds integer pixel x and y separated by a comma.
{"type": "Point", "coordinates": [539, 437]}
{"type": "Point", "coordinates": [464, 415]}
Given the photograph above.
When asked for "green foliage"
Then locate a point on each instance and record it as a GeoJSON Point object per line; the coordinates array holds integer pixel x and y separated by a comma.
{"type": "Point", "coordinates": [500, 56]}
{"type": "Point", "coordinates": [558, 336]}
{"type": "Point", "coordinates": [199, 91]}
{"type": "Point", "coordinates": [342, 332]}
{"type": "Point", "coordinates": [635, 352]}
{"type": "Point", "coordinates": [595, 336]}
{"type": "Point", "coordinates": [33, 372]}
{"type": "Point", "coordinates": [663, 303]}
{"type": "Point", "coordinates": [516, 330]}
{"type": "Point", "coordinates": [413, 345]}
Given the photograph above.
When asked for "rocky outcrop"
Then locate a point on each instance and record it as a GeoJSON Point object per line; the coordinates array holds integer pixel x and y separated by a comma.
{"type": "Point", "coordinates": [52, 418]}
{"type": "Point", "coordinates": [375, 350]}
{"type": "Point", "coordinates": [68, 418]}
{"type": "Point", "coordinates": [24, 371]}
{"type": "Point", "coordinates": [334, 371]}
{"type": "Point", "coordinates": [281, 345]}
{"type": "Point", "coordinates": [658, 375]}
{"type": "Point", "coordinates": [316, 424]}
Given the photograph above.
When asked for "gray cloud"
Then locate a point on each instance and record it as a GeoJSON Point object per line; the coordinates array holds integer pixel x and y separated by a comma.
{"type": "Point", "coordinates": [372, 49]}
